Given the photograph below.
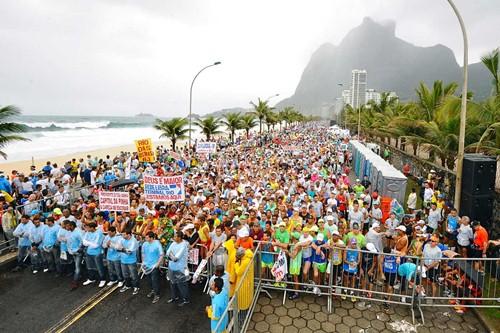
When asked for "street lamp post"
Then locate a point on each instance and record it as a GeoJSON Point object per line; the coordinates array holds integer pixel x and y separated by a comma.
{"type": "Point", "coordinates": [463, 111]}
{"type": "Point", "coordinates": [191, 96]}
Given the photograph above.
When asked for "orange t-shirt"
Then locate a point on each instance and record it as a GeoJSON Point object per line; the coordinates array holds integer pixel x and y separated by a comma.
{"type": "Point", "coordinates": [480, 237]}
{"type": "Point", "coordinates": [246, 244]}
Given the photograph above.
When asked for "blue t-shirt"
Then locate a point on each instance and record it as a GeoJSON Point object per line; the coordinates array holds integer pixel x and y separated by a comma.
{"type": "Point", "coordinates": [129, 252]}
{"type": "Point", "coordinates": [390, 265]}
{"type": "Point", "coordinates": [352, 257]}
{"type": "Point", "coordinates": [151, 253]}
{"type": "Point", "coordinates": [317, 257]}
{"type": "Point", "coordinates": [452, 223]}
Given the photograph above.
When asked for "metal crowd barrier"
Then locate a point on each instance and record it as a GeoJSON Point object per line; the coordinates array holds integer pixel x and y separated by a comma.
{"type": "Point", "coordinates": [457, 282]}
{"type": "Point", "coordinates": [73, 195]}
{"type": "Point", "coordinates": [241, 305]}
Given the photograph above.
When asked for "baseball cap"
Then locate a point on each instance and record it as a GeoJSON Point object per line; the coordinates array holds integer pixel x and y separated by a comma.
{"type": "Point", "coordinates": [320, 237]}
{"type": "Point", "coordinates": [282, 224]}
{"type": "Point", "coordinates": [335, 233]}
{"type": "Point", "coordinates": [188, 227]}
{"type": "Point", "coordinates": [402, 228]}
{"type": "Point", "coordinates": [57, 211]}
{"type": "Point", "coordinates": [355, 226]}
{"type": "Point", "coordinates": [376, 225]}
{"type": "Point", "coordinates": [371, 247]}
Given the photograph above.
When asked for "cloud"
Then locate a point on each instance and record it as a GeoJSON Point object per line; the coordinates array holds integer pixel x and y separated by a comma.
{"type": "Point", "coordinates": [124, 57]}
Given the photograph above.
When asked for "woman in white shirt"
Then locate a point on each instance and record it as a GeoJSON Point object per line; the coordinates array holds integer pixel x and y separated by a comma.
{"type": "Point", "coordinates": [465, 235]}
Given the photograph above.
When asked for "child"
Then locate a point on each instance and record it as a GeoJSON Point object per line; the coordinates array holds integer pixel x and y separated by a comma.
{"type": "Point", "coordinates": [267, 258]}
{"type": "Point", "coordinates": [319, 258]}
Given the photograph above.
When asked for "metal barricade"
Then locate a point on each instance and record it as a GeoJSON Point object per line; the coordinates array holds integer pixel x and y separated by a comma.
{"type": "Point", "coordinates": [240, 307]}
{"type": "Point", "coordinates": [462, 282]}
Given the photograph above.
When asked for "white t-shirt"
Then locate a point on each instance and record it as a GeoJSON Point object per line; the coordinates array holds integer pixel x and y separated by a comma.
{"type": "Point", "coordinates": [465, 234]}
{"type": "Point", "coordinates": [434, 218]}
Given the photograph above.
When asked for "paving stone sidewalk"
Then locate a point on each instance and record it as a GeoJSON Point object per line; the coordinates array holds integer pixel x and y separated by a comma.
{"type": "Point", "coordinates": [309, 314]}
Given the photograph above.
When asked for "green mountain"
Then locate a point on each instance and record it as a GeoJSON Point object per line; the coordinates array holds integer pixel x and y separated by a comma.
{"type": "Point", "coordinates": [392, 64]}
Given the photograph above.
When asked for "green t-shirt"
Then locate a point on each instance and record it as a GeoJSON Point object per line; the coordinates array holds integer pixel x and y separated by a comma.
{"type": "Point", "coordinates": [282, 236]}
{"type": "Point", "coordinates": [359, 238]}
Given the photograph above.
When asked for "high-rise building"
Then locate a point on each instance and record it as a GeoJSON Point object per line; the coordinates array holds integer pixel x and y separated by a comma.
{"type": "Point", "coordinates": [358, 88]}
{"type": "Point", "coordinates": [372, 95]}
{"type": "Point", "coordinates": [346, 96]}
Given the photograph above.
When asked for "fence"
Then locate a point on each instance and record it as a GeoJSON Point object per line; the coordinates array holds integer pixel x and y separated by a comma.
{"type": "Point", "coordinates": [240, 307]}
{"type": "Point", "coordinates": [402, 281]}
{"type": "Point", "coordinates": [72, 195]}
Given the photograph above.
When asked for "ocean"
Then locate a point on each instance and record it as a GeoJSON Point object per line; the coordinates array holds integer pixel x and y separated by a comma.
{"type": "Point", "coordinates": [62, 135]}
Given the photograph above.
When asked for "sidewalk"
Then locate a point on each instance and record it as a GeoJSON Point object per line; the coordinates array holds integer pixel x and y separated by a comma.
{"type": "Point", "coordinates": [309, 314]}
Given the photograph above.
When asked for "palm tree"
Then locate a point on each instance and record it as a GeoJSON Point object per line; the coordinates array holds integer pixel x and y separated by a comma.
{"type": "Point", "coordinates": [8, 129]}
{"type": "Point", "coordinates": [430, 100]}
{"type": "Point", "coordinates": [271, 120]}
{"type": "Point", "coordinates": [209, 126]}
{"type": "Point", "coordinates": [173, 129]}
{"type": "Point", "coordinates": [248, 122]}
{"type": "Point", "coordinates": [286, 115]}
{"type": "Point", "coordinates": [491, 62]}
{"type": "Point", "coordinates": [261, 109]}
{"type": "Point", "coordinates": [233, 123]}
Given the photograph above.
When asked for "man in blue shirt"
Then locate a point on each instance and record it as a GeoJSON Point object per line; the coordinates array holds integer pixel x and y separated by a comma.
{"type": "Point", "coordinates": [50, 246]}
{"type": "Point", "coordinates": [112, 242]}
{"type": "Point", "coordinates": [36, 236]}
{"type": "Point", "coordinates": [152, 256]}
{"type": "Point", "coordinates": [177, 255]}
{"type": "Point", "coordinates": [93, 255]}
{"type": "Point", "coordinates": [22, 232]}
{"type": "Point", "coordinates": [74, 244]}
{"type": "Point", "coordinates": [218, 321]}
{"type": "Point", "coordinates": [5, 184]}
{"type": "Point", "coordinates": [128, 258]}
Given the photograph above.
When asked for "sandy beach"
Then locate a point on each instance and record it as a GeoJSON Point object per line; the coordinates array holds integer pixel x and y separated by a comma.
{"type": "Point", "coordinates": [24, 166]}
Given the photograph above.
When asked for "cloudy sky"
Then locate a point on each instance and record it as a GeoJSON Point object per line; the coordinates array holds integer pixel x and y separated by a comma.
{"type": "Point", "coordinates": [120, 57]}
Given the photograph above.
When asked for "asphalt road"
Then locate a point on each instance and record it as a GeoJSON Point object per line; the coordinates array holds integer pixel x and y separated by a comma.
{"type": "Point", "coordinates": [34, 303]}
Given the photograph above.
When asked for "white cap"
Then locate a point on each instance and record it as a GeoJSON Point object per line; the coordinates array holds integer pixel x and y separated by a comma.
{"type": "Point", "coordinates": [375, 225]}
{"type": "Point", "coordinates": [402, 228]}
{"type": "Point", "coordinates": [329, 217]}
{"type": "Point", "coordinates": [421, 222]}
{"type": "Point", "coordinates": [320, 237]}
{"type": "Point", "coordinates": [371, 247]}
{"type": "Point", "coordinates": [335, 232]}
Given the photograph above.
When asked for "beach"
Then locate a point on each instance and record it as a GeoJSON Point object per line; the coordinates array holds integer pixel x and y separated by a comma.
{"type": "Point", "coordinates": [24, 166]}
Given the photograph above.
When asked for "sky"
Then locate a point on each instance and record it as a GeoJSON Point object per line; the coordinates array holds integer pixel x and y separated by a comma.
{"type": "Point", "coordinates": [123, 57]}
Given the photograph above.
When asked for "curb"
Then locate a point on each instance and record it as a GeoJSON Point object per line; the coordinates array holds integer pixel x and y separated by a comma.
{"type": "Point", "coordinates": [485, 322]}
{"type": "Point", "coordinates": [8, 261]}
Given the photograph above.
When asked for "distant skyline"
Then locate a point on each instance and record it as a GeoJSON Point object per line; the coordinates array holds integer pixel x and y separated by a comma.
{"type": "Point", "coordinates": [122, 57]}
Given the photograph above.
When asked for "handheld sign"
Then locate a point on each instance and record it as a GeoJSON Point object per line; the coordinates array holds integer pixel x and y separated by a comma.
{"type": "Point", "coordinates": [114, 201]}
{"type": "Point", "coordinates": [280, 267]}
{"type": "Point", "coordinates": [206, 147]}
{"type": "Point", "coordinates": [145, 150]}
{"type": "Point", "coordinates": [167, 189]}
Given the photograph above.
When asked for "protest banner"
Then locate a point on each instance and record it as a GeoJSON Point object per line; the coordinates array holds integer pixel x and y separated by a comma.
{"type": "Point", "coordinates": [280, 267]}
{"type": "Point", "coordinates": [114, 201]}
{"type": "Point", "coordinates": [145, 150]}
{"type": "Point", "coordinates": [167, 189]}
{"type": "Point", "coordinates": [206, 147]}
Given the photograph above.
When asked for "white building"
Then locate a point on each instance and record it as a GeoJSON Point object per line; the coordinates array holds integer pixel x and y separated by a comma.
{"type": "Point", "coordinates": [346, 96]}
{"type": "Point", "coordinates": [372, 95]}
{"type": "Point", "coordinates": [358, 88]}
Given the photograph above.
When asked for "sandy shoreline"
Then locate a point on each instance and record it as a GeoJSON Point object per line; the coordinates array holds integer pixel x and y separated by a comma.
{"type": "Point", "coordinates": [24, 166]}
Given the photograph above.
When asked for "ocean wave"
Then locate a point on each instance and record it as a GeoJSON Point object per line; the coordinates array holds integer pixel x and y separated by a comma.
{"type": "Point", "coordinates": [61, 126]}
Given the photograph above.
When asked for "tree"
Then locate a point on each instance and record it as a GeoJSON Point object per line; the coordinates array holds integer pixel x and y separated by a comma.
{"type": "Point", "coordinates": [271, 120]}
{"type": "Point", "coordinates": [209, 126]}
{"type": "Point", "coordinates": [173, 129]}
{"type": "Point", "coordinates": [8, 130]}
{"type": "Point", "coordinates": [233, 123]}
{"type": "Point", "coordinates": [261, 109]}
{"type": "Point", "coordinates": [248, 122]}
{"type": "Point", "coordinates": [286, 115]}
{"type": "Point", "coordinates": [429, 100]}
{"type": "Point", "coordinates": [491, 62]}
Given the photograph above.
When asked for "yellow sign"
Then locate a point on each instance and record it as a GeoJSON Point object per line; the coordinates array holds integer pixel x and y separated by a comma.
{"type": "Point", "coordinates": [145, 150]}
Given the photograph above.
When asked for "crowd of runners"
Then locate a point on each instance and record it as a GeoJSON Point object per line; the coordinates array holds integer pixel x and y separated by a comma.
{"type": "Point", "coordinates": [290, 191]}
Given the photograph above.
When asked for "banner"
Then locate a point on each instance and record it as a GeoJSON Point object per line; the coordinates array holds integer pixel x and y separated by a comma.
{"type": "Point", "coordinates": [206, 147]}
{"type": "Point", "coordinates": [166, 189]}
{"type": "Point", "coordinates": [114, 201]}
{"type": "Point", "coordinates": [280, 267]}
{"type": "Point", "coordinates": [194, 256]}
{"type": "Point", "coordinates": [145, 150]}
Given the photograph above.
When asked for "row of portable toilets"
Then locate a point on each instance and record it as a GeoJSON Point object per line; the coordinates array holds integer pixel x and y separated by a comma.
{"type": "Point", "coordinates": [390, 182]}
